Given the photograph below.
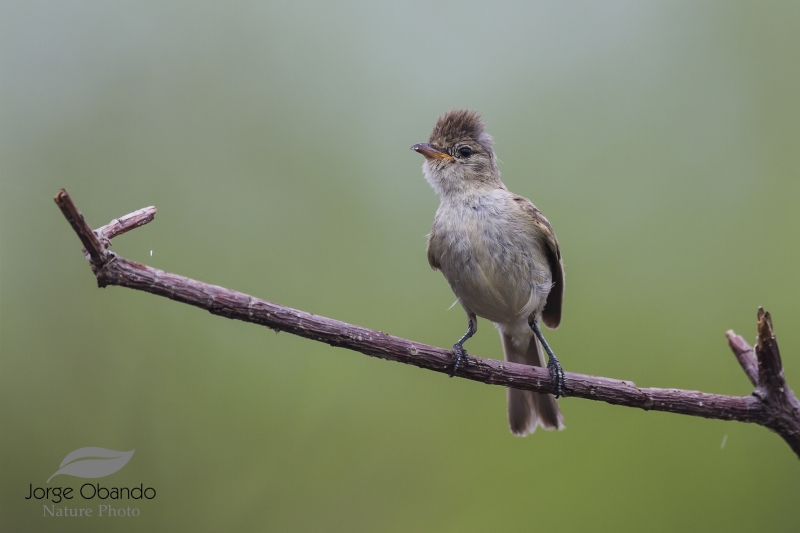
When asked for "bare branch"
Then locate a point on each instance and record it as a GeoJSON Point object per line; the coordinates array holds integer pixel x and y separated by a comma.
{"type": "Point", "coordinates": [125, 224]}
{"type": "Point", "coordinates": [97, 252]}
{"type": "Point", "coordinates": [772, 405]}
{"type": "Point", "coordinates": [236, 305]}
{"type": "Point", "coordinates": [783, 408]}
{"type": "Point", "coordinates": [122, 225]}
{"type": "Point", "coordinates": [744, 354]}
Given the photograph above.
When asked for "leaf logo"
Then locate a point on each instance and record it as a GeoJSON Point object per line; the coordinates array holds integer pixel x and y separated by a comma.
{"type": "Point", "coordinates": [84, 462]}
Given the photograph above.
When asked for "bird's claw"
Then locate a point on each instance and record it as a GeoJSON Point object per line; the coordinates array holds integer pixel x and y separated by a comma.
{"type": "Point", "coordinates": [460, 355]}
{"type": "Point", "coordinates": [557, 375]}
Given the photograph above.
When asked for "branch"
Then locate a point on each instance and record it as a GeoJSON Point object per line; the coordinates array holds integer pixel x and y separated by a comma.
{"type": "Point", "coordinates": [125, 224]}
{"type": "Point", "coordinates": [782, 406]}
{"type": "Point", "coordinates": [93, 248]}
{"type": "Point", "coordinates": [744, 354]}
{"type": "Point", "coordinates": [120, 225]}
{"type": "Point", "coordinates": [772, 404]}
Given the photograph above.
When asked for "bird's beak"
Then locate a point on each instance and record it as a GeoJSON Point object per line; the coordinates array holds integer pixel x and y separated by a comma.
{"type": "Point", "coordinates": [430, 152]}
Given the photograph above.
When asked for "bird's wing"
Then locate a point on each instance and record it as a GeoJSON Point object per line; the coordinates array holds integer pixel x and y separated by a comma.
{"type": "Point", "coordinates": [551, 315]}
{"type": "Point", "coordinates": [431, 256]}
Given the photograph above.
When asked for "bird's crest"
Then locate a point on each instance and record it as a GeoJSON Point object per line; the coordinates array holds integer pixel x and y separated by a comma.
{"type": "Point", "coordinates": [459, 125]}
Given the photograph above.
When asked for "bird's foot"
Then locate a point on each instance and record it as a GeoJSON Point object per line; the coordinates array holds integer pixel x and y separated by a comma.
{"type": "Point", "coordinates": [460, 355]}
{"type": "Point", "coordinates": [556, 374]}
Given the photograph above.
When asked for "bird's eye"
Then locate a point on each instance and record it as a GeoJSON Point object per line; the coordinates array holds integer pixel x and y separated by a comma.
{"type": "Point", "coordinates": [465, 151]}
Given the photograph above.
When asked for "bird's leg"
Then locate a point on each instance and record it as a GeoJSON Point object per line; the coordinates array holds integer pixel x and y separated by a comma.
{"type": "Point", "coordinates": [458, 348]}
{"type": "Point", "coordinates": [556, 372]}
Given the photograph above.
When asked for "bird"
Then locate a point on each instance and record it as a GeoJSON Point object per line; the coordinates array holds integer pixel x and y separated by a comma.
{"type": "Point", "coordinates": [500, 256]}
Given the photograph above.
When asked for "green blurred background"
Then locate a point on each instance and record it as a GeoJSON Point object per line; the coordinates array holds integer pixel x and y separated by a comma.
{"type": "Point", "coordinates": [660, 139]}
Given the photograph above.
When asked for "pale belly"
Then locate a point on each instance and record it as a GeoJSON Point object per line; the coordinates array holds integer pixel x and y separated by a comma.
{"type": "Point", "coordinates": [496, 267]}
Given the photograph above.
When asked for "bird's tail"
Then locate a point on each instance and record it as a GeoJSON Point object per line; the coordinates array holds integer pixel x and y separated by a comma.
{"type": "Point", "coordinates": [526, 409]}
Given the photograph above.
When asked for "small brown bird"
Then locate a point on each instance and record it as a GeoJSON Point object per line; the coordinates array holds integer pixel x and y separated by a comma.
{"type": "Point", "coordinates": [500, 256]}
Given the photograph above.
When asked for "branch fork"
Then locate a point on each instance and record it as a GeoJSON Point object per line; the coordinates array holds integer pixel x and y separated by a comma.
{"type": "Point", "coordinates": [772, 404]}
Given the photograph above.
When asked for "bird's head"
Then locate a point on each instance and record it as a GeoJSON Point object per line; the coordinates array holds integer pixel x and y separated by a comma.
{"type": "Point", "coordinates": [458, 155]}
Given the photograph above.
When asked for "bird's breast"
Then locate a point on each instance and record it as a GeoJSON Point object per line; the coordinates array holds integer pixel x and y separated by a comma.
{"type": "Point", "coordinates": [493, 262]}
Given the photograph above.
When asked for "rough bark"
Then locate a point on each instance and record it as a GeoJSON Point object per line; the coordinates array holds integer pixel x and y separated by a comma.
{"type": "Point", "coordinates": [772, 404]}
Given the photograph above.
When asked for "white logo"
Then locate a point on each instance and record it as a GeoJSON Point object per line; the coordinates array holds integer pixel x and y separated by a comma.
{"type": "Point", "coordinates": [92, 462]}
